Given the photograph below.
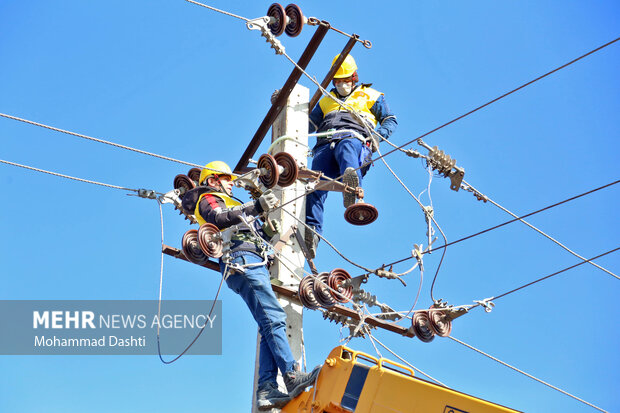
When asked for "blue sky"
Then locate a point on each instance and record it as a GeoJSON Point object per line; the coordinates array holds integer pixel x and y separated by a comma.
{"type": "Point", "coordinates": [180, 80]}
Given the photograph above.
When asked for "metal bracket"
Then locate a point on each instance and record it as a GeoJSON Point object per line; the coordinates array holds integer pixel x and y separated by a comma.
{"type": "Point", "coordinates": [302, 245]}
{"type": "Point", "coordinates": [281, 242]}
{"type": "Point", "coordinates": [314, 177]}
{"type": "Point", "coordinates": [450, 312]}
{"type": "Point", "coordinates": [249, 182]}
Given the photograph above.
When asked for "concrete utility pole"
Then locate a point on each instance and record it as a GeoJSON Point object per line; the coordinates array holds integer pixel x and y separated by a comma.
{"type": "Point", "coordinates": [292, 123]}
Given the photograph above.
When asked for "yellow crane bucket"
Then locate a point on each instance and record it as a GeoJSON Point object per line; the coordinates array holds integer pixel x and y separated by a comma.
{"type": "Point", "coordinates": [352, 381]}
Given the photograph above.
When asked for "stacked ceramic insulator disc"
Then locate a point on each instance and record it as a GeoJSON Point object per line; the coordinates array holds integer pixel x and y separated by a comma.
{"type": "Point", "coordinates": [184, 183]}
{"type": "Point", "coordinates": [440, 323]}
{"type": "Point", "coordinates": [290, 170]}
{"type": "Point", "coordinates": [269, 170]}
{"type": "Point", "coordinates": [280, 169]}
{"type": "Point", "coordinates": [306, 293]}
{"type": "Point", "coordinates": [210, 240]}
{"type": "Point", "coordinates": [336, 281]}
{"type": "Point", "coordinates": [421, 324]}
{"type": "Point", "coordinates": [194, 175]}
{"type": "Point", "coordinates": [427, 324]}
{"type": "Point", "coordinates": [191, 248]}
{"type": "Point", "coordinates": [325, 289]}
{"type": "Point", "coordinates": [322, 292]}
{"type": "Point", "coordinates": [290, 19]}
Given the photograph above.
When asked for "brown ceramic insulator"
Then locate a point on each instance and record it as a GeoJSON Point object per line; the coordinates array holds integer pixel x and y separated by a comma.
{"type": "Point", "coordinates": [361, 213]}
{"type": "Point", "coordinates": [278, 25]}
{"type": "Point", "coordinates": [295, 20]}
{"type": "Point", "coordinates": [183, 181]}
{"type": "Point", "coordinates": [194, 174]}
{"type": "Point", "coordinates": [191, 248]}
{"type": "Point", "coordinates": [335, 280]}
{"type": "Point", "coordinates": [210, 241]}
{"type": "Point", "coordinates": [422, 326]}
{"type": "Point", "coordinates": [321, 291]}
{"type": "Point", "coordinates": [306, 293]}
{"type": "Point", "coordinates": [269, 170]}
{"type": "Point", "coordinates": [291, 170]}
{"type": "Point", "coordinates": [440, 324]}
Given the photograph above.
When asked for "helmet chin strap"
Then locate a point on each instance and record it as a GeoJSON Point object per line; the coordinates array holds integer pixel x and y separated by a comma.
{"type": "Point", "coordinates": [222, 187]}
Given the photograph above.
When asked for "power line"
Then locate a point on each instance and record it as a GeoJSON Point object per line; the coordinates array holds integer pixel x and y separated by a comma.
{"type": "Point", "coordinates": [524, 373]}
{"type": "Point", "coordinates": [544, 234]}
{"type": "Point", "coordinates": [218, 10]}
{"type": "Point", "coordinates": [551, 275]}
{"type": "Point", "coordinates": [79, 135]}
{"type": "Point", "coordinates": [406, 362]}
{"type": "Point", "coordinates": [492, 101]}
{"type": "Point", "coordinates": [455, 119]}
{"type": "Point", "coordinates": [516, 219]}
{"type": "Point", "coordinates": [69, 177]}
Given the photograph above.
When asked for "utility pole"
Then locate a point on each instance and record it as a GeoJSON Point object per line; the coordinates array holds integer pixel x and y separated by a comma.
{"type": "Point", "coordinates": [292, 123]}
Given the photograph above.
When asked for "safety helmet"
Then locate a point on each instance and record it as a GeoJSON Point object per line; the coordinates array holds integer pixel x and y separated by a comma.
{"type": "Point", "coordinates": [347, 68]}
{"type": "Point", "coordinates": [215, 168]}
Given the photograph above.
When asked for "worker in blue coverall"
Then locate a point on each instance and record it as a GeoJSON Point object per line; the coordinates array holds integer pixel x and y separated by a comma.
{"type": "Point", "coordinates": [212, 202]}
{"type": "Point", "coordinates": [341, 154]}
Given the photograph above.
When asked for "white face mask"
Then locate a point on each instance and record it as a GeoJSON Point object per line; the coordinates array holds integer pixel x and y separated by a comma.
{"type": "Point", "coordinates": [344, 88]}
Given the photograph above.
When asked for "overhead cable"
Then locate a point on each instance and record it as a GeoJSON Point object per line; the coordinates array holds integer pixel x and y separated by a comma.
{"type": "Point", "coordinates": [218, 10]}
{"type": "Point", "coordinates": [79, 135]}
{"type": "Point", "coordinates": [308, 227]}
{"type": "Point", "coordinates": [70, 177]}
{"type": "Point", "coordinates": [543, 234]}
{"type": "Point", "coordinates": [453, 120]}
{"type": "Point", "coordinates": [513, 220]}
{"type": "Point", "coordinates": [492, 101]}
{"type": "Point", "coordinates": [525, 374]}
{"type": "Point", "coordinates": [407, 363]}
{"type": "Point", "coordinates": [550, 275]}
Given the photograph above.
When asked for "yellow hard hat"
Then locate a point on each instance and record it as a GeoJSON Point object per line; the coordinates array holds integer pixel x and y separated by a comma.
{"type": "Point", "coordinates": [347, 68]}
{"type": "Point", "coordinates": [215, 168]}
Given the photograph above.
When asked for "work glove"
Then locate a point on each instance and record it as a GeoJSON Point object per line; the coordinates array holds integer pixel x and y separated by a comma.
{"type": "Point", "coordinates": [273, 229]}
{"type": "Point", "coordinates": [268, 200]}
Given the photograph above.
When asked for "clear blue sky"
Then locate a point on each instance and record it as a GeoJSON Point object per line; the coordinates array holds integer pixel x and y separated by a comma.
{"type": "Point", "coordinates": [180, 80]}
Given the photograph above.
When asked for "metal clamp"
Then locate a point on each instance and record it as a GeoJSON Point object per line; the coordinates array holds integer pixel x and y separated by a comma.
{"type": "Point", "coordinates": [173, 197]}
{"type": "Point", "coordinates": [444, 164]}
{"type": "Point", "coordinates": [486, 303]}
{"type": "Point", "coordinates": [261, 24]}
{"type": "Point", "coordinates": [417, 253]}
{"type": "Point", "coordinates": [147, 193]}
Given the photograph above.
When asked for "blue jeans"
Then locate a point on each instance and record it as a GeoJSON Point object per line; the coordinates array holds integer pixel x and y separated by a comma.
{"type": "Point", "coordinates": [332, 162]}
{"type": "Point", "coordinates": [255, 289]}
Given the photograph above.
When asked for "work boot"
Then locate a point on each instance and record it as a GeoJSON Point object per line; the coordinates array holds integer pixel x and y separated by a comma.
{"type": "Point", "coordinates": [297, 381]}
{"type": "Point", "coordinates": [269, 397]}
{"type": "Point", "coordinates": [351, 179]}
{"type": "Point", "coordinates": [312, 241]}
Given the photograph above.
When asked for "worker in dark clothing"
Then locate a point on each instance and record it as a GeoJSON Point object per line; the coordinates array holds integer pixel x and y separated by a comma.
{"type": "Point", "coordinates": [342, 153]}
{"type": "Point", "coordinates": [247, 275]}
